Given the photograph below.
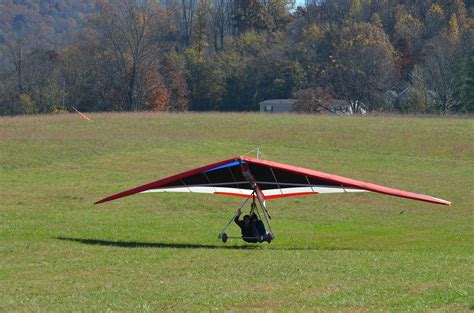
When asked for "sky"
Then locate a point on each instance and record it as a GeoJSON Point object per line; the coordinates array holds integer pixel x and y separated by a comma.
{"type": "Point", "coordinates": [300, 2]}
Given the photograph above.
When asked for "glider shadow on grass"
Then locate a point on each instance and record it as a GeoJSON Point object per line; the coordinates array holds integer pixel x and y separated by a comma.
{"type": "Point", "coordinates": [135, 244]}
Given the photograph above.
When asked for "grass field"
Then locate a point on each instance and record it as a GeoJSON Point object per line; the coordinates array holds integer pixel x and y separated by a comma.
{"type": "Point", "coordinates": [154, 252]}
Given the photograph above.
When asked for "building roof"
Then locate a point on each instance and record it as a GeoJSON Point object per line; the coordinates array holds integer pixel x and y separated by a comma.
{"type": "Point", "coordinates": [277, 101]}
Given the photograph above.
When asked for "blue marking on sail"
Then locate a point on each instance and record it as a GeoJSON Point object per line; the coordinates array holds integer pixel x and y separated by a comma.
{"type": "Point", "coordinates": [226, 165]}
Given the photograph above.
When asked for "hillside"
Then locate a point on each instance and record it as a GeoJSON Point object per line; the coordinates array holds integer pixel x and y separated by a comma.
{"type": "Point", "coordinates": [50, 21]}
{"type": "Point", "coordinates": [225, 55]}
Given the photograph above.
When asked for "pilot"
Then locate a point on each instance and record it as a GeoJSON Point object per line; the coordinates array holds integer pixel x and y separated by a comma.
{"type": "Point", "coordinates": [248, 229]}
{"type": "Point", "coordinates": [262, 233]}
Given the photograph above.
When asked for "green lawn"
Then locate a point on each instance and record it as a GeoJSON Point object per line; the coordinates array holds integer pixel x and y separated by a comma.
{"type": "Point", "coordinates": [154, 252]}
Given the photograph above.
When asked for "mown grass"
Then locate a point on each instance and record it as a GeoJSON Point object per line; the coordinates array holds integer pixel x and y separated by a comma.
{"type": "Point", "coordinates": [152, 252]}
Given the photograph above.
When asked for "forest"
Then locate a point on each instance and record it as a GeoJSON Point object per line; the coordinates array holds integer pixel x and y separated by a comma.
{"type": "Point", "coordinates": [402, 56]}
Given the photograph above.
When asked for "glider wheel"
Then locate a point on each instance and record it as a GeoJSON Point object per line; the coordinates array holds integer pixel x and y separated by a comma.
{"type": "Point", "coordinates": [269, 238]}
{"type": "Point", "coordinates": [224, 237]}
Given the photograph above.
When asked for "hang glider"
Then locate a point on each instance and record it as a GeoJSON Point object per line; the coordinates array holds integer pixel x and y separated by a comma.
{"type": "Point", "coordinates": [249, 177]}
{"type": "Point", "coordinates": [261, 180]}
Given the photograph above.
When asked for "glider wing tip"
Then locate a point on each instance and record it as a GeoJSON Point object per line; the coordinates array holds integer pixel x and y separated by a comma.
{"type": "Point", "coordinates": [445, 202]}
{"type": "Point", "coordinates": [100, 201]}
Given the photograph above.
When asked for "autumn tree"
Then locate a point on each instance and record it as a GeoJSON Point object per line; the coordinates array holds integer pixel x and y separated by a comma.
{"type": "Point", "coordinates": [87, 85]}
{"type": "Point", "coordinates": [311, 49]}
{"type": "Point", "coordinates": [251, 15]}
{"type": "Point", "coordinates": [31, 69]}
{"type": "Point", "coordinates": [440, 66]}
{"type": "Point", "coordinates": [220, 22]}
{"type": "Point", "coordinates": [409, 28]}
{"type": "Point", "coordinates": [466, 103]}
{"type": "Point", "coordinates": [126, 31]}
{"type": "Point", "coordinates": [206, 80]}
{"type": "Point", "coordinates": [184, 13]}
{"type": "Point", "coordinates": [330, 10]}
{"type": "Point", "coordinates": [363, 65]}
{"type": "Point", "coordinates": [435, 20]}
{"type": "Point", "coordinates": [240, 67]}
{"type": "Point", "coordinates": [416, 97]}
{"type": "Point", "coordinates": [42, 80]}
{"type": "Point", "coordinates": [406, 59]}
{"type": "Point", "coordinates": [278, 12]}
{"type": "Point", "coordinates": [313, 100]}
{"type": "Point", "coordinates": [177, 87]}
{"type": "Point", "coordinates": [206, 83]}
{"type": "Point", "coordinates": [355, 13]}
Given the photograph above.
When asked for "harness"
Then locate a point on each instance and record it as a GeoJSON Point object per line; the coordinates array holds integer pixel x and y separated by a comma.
{"type": "Point", "coordinates": [254, 209]}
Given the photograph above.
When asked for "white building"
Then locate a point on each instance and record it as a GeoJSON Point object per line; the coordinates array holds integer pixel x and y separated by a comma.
{"type": "Point", "coordinates": [277, 105]}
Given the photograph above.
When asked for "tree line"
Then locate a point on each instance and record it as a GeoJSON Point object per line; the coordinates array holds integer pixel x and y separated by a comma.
{"type": "Point", "coordinates": [413, 56]}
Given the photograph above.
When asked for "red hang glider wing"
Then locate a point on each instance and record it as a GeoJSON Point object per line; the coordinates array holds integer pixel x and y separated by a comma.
{"type": "Point", "coordinates": [347, 184]}
{"type": "Point", "coordinates": [274, 180]}
{"type": "Point", "coordinates": [192, 178]}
